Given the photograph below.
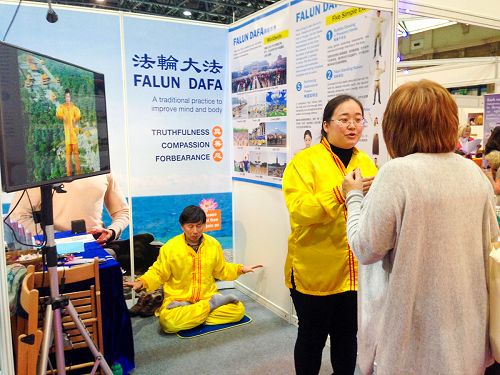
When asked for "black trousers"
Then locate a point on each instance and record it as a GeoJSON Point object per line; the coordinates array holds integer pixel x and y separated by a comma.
{"type": "Point", "coordinates": [320, 316]}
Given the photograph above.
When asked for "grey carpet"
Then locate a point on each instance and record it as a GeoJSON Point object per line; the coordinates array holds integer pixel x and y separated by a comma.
{"type": "Point", "coordinates": [265, 346]}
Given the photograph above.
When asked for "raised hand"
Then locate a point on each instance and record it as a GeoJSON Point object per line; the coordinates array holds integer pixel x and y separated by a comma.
{"type": "Point", "coordinates": [353, 181]}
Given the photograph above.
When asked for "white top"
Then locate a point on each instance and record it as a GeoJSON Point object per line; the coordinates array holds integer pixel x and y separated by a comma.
{"type": "Point", "coordinates": [423, 298]}
{"type": "Point", "coordinates": [84, 199]}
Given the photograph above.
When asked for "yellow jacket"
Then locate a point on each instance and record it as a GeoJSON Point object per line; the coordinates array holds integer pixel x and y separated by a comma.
{"type": "Point", "coordinates": [319, 257]}
{"type": "Point", "coordinates": [187, 275]}
{"type": "Point", "coordinates": [70, 115]}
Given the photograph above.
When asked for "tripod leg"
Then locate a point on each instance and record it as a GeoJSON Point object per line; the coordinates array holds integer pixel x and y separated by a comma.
{"type": "Point", "coordinates": [57, 302]}
{"type": "Point", "coordinates": [52, 323]}
{"type": "Point", "coordinates": [59, 343]}
{"type": "Point", "coordinates": [94, 368]}
{"type": "Point", "coordinates": [47, 341]}
{"type": "Point", "coordinates": [86, 336]}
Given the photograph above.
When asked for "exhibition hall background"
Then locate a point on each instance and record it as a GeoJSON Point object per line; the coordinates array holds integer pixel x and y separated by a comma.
{"type": "Point", "coordinates": [173, 105]}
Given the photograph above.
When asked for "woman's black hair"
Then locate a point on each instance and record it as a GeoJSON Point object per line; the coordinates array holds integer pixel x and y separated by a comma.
{"type": "Point", "coordinates": [307, 132]}
{"type": "Point", "coordinates": [192, 214]}
{"type": "Point", "coordinates": [332, 105]}
{"type": "Point", "coordinates": [493, 143]}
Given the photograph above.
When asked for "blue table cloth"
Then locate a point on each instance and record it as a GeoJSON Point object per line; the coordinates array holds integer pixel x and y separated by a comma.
{"type": "Point", "coordinates": [118, 338]}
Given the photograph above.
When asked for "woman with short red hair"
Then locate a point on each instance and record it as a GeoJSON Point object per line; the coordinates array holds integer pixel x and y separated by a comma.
{"type": "Point", "coordinates": [423, 295]}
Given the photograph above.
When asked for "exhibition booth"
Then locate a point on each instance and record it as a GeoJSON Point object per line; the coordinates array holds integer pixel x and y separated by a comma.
{"type": "Point", "coordinates": [210, 115]}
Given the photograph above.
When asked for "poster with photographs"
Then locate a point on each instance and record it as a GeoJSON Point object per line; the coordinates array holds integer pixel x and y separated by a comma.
{"type": "Point", "coordinates": [258, 51]}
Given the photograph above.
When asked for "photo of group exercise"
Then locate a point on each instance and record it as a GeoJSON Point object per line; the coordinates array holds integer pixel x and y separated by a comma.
{"type": "Point", "coordinates": [260, 74]}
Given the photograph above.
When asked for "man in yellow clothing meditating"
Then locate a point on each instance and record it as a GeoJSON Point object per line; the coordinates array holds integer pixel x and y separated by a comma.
{"type": "Point", "coordinates": [187, 267]}
{"type": "Point", "coordinates": [70, 115]}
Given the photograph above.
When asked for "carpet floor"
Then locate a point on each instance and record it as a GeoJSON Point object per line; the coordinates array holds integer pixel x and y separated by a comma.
{"type": "Point", "coordinates": [264, 346]}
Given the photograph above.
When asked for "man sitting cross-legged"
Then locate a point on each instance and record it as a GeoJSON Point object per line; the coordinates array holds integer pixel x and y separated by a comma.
{"type": "Point", "coordinates": [187, 267]}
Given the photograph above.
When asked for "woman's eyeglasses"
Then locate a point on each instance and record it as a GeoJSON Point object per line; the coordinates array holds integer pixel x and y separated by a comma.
{"type": "Point", "coordinates": [346, 122]}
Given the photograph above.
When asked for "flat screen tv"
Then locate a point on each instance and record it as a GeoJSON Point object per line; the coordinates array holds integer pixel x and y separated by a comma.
{"type": "Point", "coordinates": [53, 125]}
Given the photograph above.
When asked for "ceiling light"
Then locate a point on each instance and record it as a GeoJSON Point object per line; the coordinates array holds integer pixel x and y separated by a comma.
{"type": "Point", "coordinates": [187, 13]}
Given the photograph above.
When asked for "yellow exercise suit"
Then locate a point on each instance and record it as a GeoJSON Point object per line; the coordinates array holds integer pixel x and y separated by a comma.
{"type": "Point", "coordinates": [319, 258]}
{"type": "Point", "coordinates": [190, 276]}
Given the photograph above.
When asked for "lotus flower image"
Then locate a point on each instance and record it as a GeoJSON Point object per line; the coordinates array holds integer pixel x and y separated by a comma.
{"type": "Point", "coordinates": [208, 204]}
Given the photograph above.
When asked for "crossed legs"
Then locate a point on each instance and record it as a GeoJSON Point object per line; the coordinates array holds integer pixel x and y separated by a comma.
{"type": "Point", "coordinates": [184, 315]}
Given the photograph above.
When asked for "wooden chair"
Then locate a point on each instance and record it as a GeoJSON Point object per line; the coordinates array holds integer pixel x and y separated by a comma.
{"type": "Point", "coordinates": [29, 336]}
{"type": "Point", "coordinates": [87, 302]}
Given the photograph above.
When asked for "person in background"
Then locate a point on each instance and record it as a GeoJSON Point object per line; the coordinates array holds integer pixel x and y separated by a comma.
{"type": "Point", "coordinates": [83, 199]}
{"type": "Point", "coordinates": [492, 156]}
{"type": "Point", "coordinates": [320, 268]}
{"type": "Point", "coordinates": [69, 114]}
{"type": "Point", "coordinates": [463, 138]}
{"type": "Point", "coordinates": [187, 267]}
{"type": "Point", "coordinates": [423, 300]}
{"type": "Point", "coordinates": [493, 172]}
{"type": "Point", "coordinates": [493, 143]}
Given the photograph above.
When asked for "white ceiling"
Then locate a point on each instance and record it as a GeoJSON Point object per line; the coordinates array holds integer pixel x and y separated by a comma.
{"type": "Point", "coordinates": [415, 24]}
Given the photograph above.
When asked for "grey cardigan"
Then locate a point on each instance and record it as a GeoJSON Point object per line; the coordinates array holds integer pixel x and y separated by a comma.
{"type": "Point", "coordinates": [422, 236]}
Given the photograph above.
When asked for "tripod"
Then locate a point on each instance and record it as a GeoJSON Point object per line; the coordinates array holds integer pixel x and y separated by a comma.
{"type": "Point", "coordinates": [53, 322]}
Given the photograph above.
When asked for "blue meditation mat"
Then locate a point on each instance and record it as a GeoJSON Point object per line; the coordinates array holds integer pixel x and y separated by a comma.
{"type": "Point", "coordinates": [204, 329]}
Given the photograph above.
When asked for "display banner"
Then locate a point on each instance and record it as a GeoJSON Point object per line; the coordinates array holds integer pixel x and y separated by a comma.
{"type": "Point", "coordinates": [338, 50]}
{"type": "Point", "coordinates": [178, 141]}
{"type": "Point", "coordinates": [491, 114]}
{"type": "Point", "coordinates": [259, 52]}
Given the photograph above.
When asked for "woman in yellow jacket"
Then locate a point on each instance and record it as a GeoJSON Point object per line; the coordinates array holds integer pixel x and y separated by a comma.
{"type": "Point", "coordinates": [320, 268]}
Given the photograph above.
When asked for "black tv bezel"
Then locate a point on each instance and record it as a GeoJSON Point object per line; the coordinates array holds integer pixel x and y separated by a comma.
{"type": "Point", "coordinates": [101, 123]}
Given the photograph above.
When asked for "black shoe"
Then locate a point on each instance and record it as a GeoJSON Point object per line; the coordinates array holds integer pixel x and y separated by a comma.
{"type": "Point", "coordinates": [155, 301]}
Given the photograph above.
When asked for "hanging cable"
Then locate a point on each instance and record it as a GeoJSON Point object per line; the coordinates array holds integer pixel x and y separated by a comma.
{"type": "Point", "coordinates": [11, 21]}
